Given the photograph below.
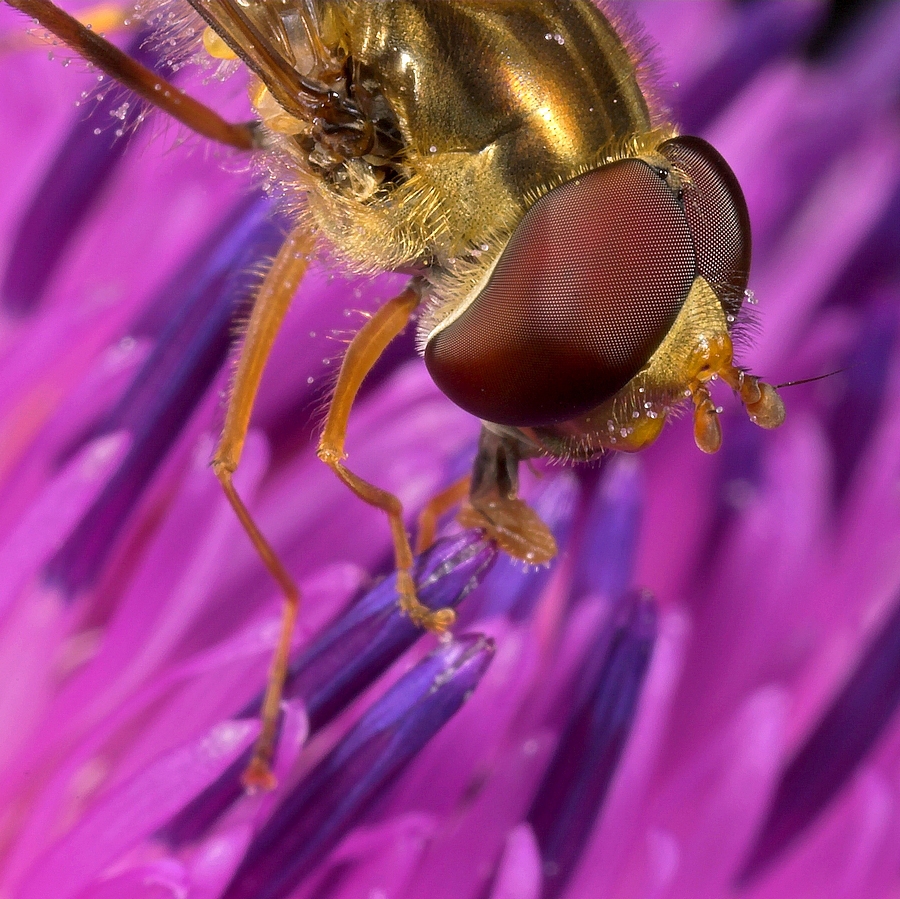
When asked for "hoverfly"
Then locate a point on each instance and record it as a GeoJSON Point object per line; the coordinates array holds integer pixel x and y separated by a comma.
{"type": "Point", "coordinates": [576, 266]}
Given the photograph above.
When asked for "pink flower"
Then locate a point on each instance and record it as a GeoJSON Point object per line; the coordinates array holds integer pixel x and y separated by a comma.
{"type": "Point", "coordinates": [695, 701]}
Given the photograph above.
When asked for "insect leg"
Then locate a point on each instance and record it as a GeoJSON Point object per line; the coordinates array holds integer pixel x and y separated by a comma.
{"type": "Point", "coordinates": [269, 309]}
{"type": "Point", "coordinates": [136, 77]}
{"type": "Point", "coordinates": [437, 506]}
{"type": "Point", "coordinates": [363, 352]}
{"type": "Point", "coordinates": [495, 507]}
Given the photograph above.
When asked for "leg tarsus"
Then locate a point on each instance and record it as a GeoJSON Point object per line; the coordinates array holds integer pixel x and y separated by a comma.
{"type": "Point", "coordinates": [438, 621]}
{"type": "Point", "coordinates": [495, 508]}
{"type": "Point", "coordinates": [513, 525]}
{"type": "Point", "coordinates": [764, 406]}
{"type": "Point", "coordinates": [768, 411]}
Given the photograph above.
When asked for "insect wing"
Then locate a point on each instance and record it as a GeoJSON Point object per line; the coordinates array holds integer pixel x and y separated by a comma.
{"type": "Point", "coordinates": [256, 35]}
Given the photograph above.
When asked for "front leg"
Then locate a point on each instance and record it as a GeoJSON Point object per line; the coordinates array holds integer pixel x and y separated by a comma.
{"type": "Point", "coordinates": [362, 354]}
{"type": "Point", "coordinates": [494, 505]}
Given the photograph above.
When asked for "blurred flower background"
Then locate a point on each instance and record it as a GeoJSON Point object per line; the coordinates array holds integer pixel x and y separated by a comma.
{"type": "Point", "coordinates": [696, 700]}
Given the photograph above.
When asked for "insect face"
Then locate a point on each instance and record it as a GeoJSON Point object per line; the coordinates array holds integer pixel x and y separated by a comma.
{"type": "Point", "coordinates": [606, 304]}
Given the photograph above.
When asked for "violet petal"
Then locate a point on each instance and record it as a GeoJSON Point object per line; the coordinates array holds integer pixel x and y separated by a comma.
{"type": "Point", "coordinates": [610, 530]}
{"type": "Point", "coordinates": [171, 383]}
{"type": "Point", "coordinates": [74, 179]}
{"type": "Point", "coordinates": [825, 762]}
{"type": "Point", "coordinates": [571, 796]}
{"type": "Point", "coordinates": [335, 795]}
{"type": "Point", "coordinates": [348, 657]}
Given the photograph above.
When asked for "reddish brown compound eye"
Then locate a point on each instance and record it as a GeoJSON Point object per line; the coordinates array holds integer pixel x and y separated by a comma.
{"type": "Point", "coordinates": [717, 216]}
{"type": "Point", "coordinates": [588, 286]}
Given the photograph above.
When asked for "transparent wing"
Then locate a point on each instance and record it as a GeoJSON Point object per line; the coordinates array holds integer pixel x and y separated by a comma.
{"type": "Point", "coordinates": [256, 33]}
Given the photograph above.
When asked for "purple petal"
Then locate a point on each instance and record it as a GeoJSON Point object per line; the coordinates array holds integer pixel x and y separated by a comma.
{"type": "Point", "coordinates": [345, 784]}
{"type": "Point", "coordinates": [574, 788]}
{"type": "Point", "coordinates": [610, 531]}
{"type": "Point", "coordinates": [358, 648]}
{"type": "Point", "coordinates": [80, 171]}
{"type": "Point", "coordinates": [843, 737]}
{"type": "Point", "coordinates": [759, 34]}
{"type": "Point", "coordinates": [175, 377]}
{"type": "Point", "coordinates": [348, 657]}
{"type": "Point", "coordinates": [623, 820]}
{"type": "Point", "coordinates": [131, 812]}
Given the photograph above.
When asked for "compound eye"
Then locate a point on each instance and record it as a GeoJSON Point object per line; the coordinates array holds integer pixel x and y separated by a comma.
{"type": "Point", "coordinates": [717, 216]}
{"type": "Point", "coordinates": [588, 286]}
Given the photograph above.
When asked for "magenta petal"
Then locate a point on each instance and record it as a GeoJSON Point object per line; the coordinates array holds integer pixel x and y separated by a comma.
{"type": "Point", "coordinates": [57, 511]}
{"type": "Point", "coordinates": [165, 879]}
{"type": "Point", "coordinates": [131, 812]}
{"type": "Point", "coordinates": [213, 863]}
{"type": "Point", "coordinates": [850, 852]}
{"type": "Point", "coordinates": [519, 871]}
{"type": "Point", "coordinates": [704, 820]}
{"type": "Point", "coordinates": [465, 851]}
{"type": "Point", "coordinates": [382, 858]}
{"type": "Point", "coordinates": [829, 755]}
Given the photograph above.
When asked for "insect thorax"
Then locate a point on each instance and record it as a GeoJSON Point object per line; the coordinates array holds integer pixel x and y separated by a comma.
{"type": "Point", "coordinates": [472, 111]}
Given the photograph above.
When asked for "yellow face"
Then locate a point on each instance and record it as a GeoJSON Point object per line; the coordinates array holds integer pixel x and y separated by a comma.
{"type": "Point", "coordinates": [585, 265]}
